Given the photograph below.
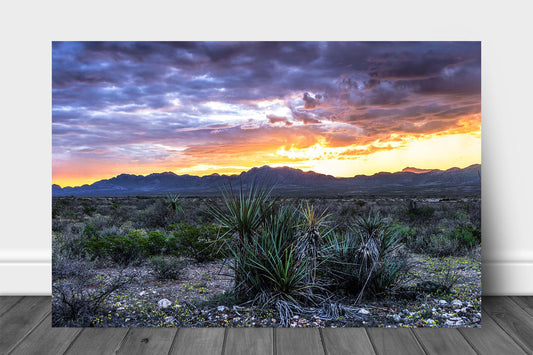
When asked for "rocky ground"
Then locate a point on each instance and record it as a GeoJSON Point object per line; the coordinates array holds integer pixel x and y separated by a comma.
{"type": "Point", "coordinates": [202, 298]}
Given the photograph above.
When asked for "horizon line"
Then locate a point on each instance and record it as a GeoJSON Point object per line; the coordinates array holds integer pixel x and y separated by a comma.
{"type": "Point", "coordinates": [422, 171]}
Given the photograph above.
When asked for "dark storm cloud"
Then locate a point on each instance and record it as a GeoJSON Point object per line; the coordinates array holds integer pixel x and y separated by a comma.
{"type": "Point", "coordinates": [147, 92]}
{"type": "Point", "coordinates": [276, 119]}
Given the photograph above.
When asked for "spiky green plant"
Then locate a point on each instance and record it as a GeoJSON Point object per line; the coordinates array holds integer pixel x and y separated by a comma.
{"type": "Point", "coordinates": [174, 202]}
{"type": "Point", "coordinates": [243, 211]}
{"type": "Point", "coordinates": [242, 215]}
{"type": "Point", "coordinates": [313, 226]}
{"type": "Point", "coordinates": [367, 257]}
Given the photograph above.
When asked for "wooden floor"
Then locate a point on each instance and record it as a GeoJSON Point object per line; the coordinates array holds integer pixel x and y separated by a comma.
{"type": "Point", "coordinates": [25, 328]}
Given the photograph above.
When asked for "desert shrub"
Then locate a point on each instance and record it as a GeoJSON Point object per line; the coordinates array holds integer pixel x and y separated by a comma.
{"type": "Point", "coordinates": [90, 231]}
{"type": "Point", "coordinates": [76, 305]}
{"type": "Point", "coordinates": [154, 244]}
{"type": "Point", "coordinates": [166, 268]}
{"type": "Point", "coordinates": [122, 250]}
{"type": "Point", "coordinates": [198, 242]}
{"type": "Point", "coordinates": [155, 216]}
{"type": "Point", "coordinates": [360, 203]}
{"type": "Point", "coordinates": [58, 206]}
{"type": "Point", "coordinates": [73, 241]}
{"type": "Point", "coordinates": [438, 245]}
{"type": "Point", "coordinates": [88, 208]}
{"type": "Point", "coordinates": [456, 242]}
{"type": "Point", "coordinates": [64, 268]}
{"type": "Point", "coordinates": [467, 236]}
{"type": "Point", "coordinates": [367, 258]}
{"type": "Point", "coordinates": [420, 214]}
{"type": "Point", "coordinates": [132, 248]}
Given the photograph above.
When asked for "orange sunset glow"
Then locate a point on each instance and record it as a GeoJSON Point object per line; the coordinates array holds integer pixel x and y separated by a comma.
{"type": "Point", "coordinates": [199, 108]}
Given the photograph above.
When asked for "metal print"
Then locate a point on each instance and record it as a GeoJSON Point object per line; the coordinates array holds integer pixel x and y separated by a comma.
{"type": "Point", "coordinates": [266, 184]}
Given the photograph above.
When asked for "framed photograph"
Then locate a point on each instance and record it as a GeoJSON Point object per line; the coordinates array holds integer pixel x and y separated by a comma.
{"type": "Point", "coordinates": [266, 184]}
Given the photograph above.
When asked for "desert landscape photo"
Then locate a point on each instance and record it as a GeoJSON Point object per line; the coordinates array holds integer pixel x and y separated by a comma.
{"type": "Point", "coordinates": [266, 184]}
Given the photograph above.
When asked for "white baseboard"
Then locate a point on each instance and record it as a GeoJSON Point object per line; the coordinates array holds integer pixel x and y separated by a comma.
{"type": "Point", "coordinates": [25, 278]}
{"type": "Point", "coordinates": [34, 278]}
{"type": "Point", "coordinates": [507, 278]}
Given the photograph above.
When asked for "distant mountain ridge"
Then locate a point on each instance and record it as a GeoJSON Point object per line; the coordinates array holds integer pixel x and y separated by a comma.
{"type": "Point", "coordinates": [286, 181]}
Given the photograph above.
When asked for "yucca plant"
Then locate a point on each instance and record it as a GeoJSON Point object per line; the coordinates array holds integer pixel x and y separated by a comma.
{"type": "Point", "coordinates": [367, 257]}
{"type": "Point", "coordinates": [174, 202]}
{"type": "Point", "coordinates": [243, 211]}
{"type": "Point", "coordinates": [241, 216]}
{"type": "Point", "coordinates": [313, 227]}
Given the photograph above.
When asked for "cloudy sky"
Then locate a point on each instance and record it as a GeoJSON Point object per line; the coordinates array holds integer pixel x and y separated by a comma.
{"type": "Point", "coordinates": [340, 108]}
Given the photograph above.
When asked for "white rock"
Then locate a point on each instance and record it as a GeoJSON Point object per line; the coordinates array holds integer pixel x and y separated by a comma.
{"type": "Point", "coordinates": [169, 319]}
{"type": "Point", "coordinates": [364, 311]}
{"type": "Point", "coordinates": [460, 323]}
{"type": "Point", "coordinates": [449, 323]}
{"type": "Point", "coordinates": [164, 303]}
{"type": "Point", "coordinates": [442, 303]}
{"type": "Point", "coordinates": [457, 304]}
{"type": "Point", "coordinates": [397, 318]}
{"type": "Point", "coordinates": [142, 293]}
{"type": "Point", "coordinates": [430, 321]}
{"type": "Point", "coordinates": [221, 308]}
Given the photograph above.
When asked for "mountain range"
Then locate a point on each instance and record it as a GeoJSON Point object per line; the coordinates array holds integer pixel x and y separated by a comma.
{"type": "Point", "coordinates": [288, 181]}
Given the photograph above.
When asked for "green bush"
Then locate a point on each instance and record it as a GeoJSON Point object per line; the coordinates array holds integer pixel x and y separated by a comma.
{"type": "Point", "coordinates": [467, 236]}
{"type": "Point", "coordinates": [154, 244]}
{"type": "Point", "coordinates": [198, 242]}
{"type": "Point", "coordinates": [129, 249]}
{"type": "Point", "coordinates": [166, 268]}
{"type": "Point", "coordinates": [122, 250]}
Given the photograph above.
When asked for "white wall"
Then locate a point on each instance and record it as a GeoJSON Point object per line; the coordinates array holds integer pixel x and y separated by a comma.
{"type": "Point", "coordinates": [25, 136]}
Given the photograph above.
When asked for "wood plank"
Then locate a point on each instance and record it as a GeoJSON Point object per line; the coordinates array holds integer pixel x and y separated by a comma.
{"type": "Point", "coordinates": [18, 321]}
{"type": "Point", "coordinates": [46, 340]}
{"type": "Point", "coordinates": [257, 341]}
{"type": "Point", "coordinates": [98, 341]}
{"type": "Point", "coordinates": [298, 341]}
{"type": "Point", "coordinates": [525, 302]}
{"type": "Point", "coordinates": [347, 341]}
{"type": "Point", "coordinates": [6, 302]}
{"type": "Point", "coordinates": [394, 341]}
{"type": "Point", "coordinates": [198, 341]}
{"type": "Point", "coordinates": [512, 319]}
{"type": "Point", "coordinates": [443, 341]}
{"type": "Point", "coordinates": [490, 338]}
{"type": "Point", "coordinates": [148, 341]}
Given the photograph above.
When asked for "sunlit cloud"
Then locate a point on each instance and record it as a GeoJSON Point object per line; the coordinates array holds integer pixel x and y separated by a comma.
{"type": "Point", "coordinates": [340, 108]}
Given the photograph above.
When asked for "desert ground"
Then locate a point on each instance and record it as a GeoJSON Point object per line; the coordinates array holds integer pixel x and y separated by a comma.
{"type": "Point", "coordinates": [267, 261]}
